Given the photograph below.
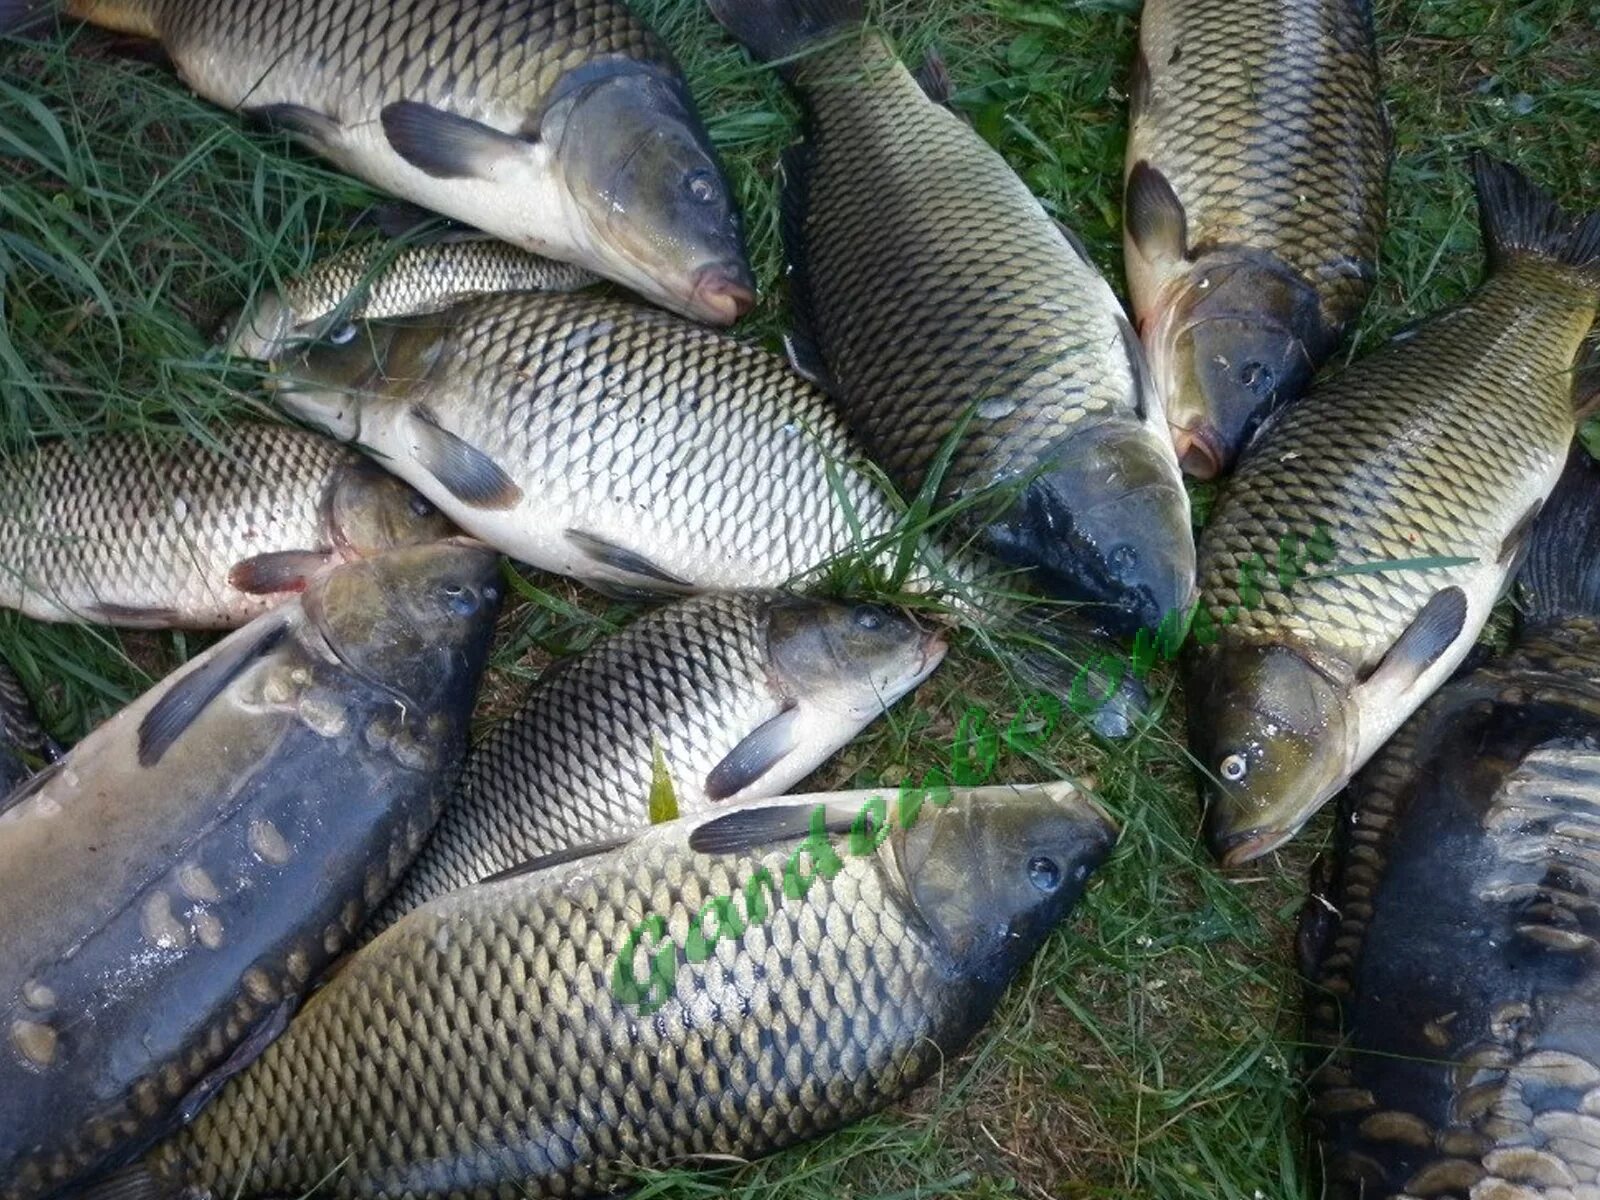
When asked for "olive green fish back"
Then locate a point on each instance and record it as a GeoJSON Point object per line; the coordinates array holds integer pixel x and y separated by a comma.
{"type": "Point", "coordinates": [481, 1047]}
{"type": "Point", "coordinates": [1265, 117]}
{"type": "Point", "coordinates": [1410, 456]}
{"type": "Point", "coordinates": [932, 281]}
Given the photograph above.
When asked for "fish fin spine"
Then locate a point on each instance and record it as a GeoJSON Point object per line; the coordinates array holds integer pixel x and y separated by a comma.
{"type": "Point", "coordinates": [1522, 220]}
{"type": "Point", "coordinates": [778, 29]}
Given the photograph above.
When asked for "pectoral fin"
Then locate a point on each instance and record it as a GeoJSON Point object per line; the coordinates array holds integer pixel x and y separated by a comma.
{"type": "Point", "coordinates": [757, 754]}
{"type": "Point", "coordinates": [464, 471]}
{"type": "Point", "coordinates": [444, 145]}
{"type": "Point", "coordinates": [1154, 215]}
{"type": "Point", "coordinates": [166, 722]}
{"type": "Point", "coordinates": [1433, 632]}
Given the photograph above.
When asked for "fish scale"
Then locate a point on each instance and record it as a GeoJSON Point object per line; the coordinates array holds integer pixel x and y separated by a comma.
{"type": "Point", "coordinates": [22, 740]}
{"type": "Point", "coordinates": [1410, 453]}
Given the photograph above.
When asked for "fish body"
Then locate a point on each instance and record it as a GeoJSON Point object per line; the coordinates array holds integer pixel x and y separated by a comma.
{"type": "Point", "coordinates": [561, 126]}
{"type": "Point", "coordinates": [601, 439]}
{"type": "Point", "coordinates": [369, 282]}
{"type": "Point", "coordinates": [188, 870]}
{"type": "Point", "coordinates": [119, 530]}
{"type": "Point", "coordinates": [510, 1040]}
{"type": "Point", "coordinates": [742, 695]}
{"type": "Point", "coordinates": [1453, 992]}
{"type": "Point", "coordinates": [1355, 555]}
{"type": "Point", "coordinates": [935, 297]}
{"type": "Point", "coordinates": [24, 746]}
{"type": "Point", "coordinates": [1256, 171]}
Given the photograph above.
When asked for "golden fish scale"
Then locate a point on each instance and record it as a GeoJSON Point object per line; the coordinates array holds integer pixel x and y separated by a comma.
{"type": "Point", "coordinates": [934, 281]}
{"type": "Point", "coordinates": [479, 1048]}
{"type": "Point", "coordinates": [348, 58]}
{"type": "Point", "coordinates": [588, 394]}
{"type": "Point", "coordinates": [425, 277]}
{"type": "Point", "coordinates": [1265, 117]}
{"type": "Point", "coordinates": [573, 764]}
{"type": "Point", "coordinates": [124, 521]}
{"type": "Point", "coordinates": [1414, 452]}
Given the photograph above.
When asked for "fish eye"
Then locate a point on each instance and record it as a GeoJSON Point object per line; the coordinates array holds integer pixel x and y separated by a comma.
{"type": "Point", "coordinates": [459, 600]}
{"type": "Point", "coordinates": [344, 334]}
{"type": "Point", "coordinates": [1043, 873]}
{"type": "Point", "coordinates": [866, 617]}
{"type": "Point", "coordinates": [1258, 377]}
{"type": "Point", "coordinates": [421, 506]}
{"type": "Point", "coordinates": [702, 187]}
{"type": "Point", "coordinates": [1234, 768]}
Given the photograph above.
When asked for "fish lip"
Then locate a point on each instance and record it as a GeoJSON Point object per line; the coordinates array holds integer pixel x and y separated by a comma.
{"type": "Point", "coordinates": [1200, 451]}
{"type": "Point", "coordinates": [722, 293]}
{"type": "Point", "coordinates": [934, 647]}
{"type": "Point", "coordinates": [1237, 849]}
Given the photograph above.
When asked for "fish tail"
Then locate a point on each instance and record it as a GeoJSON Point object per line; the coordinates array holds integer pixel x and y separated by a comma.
{"type": "Point", "coordinates": [780, 29]}
{"type": "Point", "coordinates": [1561, 577]}
{"type": "Point", "coordinates": [1521, 220]}
{"type": "Point", "coordinates": [133, 1182]}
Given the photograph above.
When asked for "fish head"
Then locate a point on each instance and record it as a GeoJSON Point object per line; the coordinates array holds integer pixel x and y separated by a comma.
{"type": "Point", "coordinates": [414, 622]}
{"type": "Point", "coordinates": [852, 658]}
{"type": "Point", "coordinates": [645, 186]}
{"type": "Point", "coordinates": [264, 330]}
{"type": "Point", "coordinates": [1237, 341]}
{"type": "Point", "coordinates": [1270, 732]}
{"type": "Point", "coordinates": [993, 870]}
{"type": "Point", "coordinates": [369, 511]}
{"type": "Point", "coordinates": [1107, 525]}
{"type": "Point", "coordinates": [324, 384]}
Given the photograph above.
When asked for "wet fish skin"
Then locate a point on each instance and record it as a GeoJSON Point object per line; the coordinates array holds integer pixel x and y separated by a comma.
{"type": "Point", "coordinates": [923, 936]}
{"type": "Point", "coordinates": [119, 530]}
{"type": "Point", "coordinates": [1257, 168]}
{"type": "Point", "coordinates": [603, 440]}
{"type": "Point", "coordinates": [1451, 1000]}
{"type": "Point", "coordinates": [373, 281]}
{"type": "Point", "coordinates": [1418, 470]}
{"type": "Point", "coordinates": [742, 694]}
{"type": "Point", "coordinates": [24, 745]}
{"type": "Point", "coordinates": [184, 875]}
{"type": "Point", "coordinates": [931, 288]}
{"type": "Point", "coordinates": [561, 126]}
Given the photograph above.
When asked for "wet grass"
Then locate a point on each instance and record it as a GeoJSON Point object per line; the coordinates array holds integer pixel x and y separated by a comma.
{"type": "Point", "coordinates": [1150, 1050]}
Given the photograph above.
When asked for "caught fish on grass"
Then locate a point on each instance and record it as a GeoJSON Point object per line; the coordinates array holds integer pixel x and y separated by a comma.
{"type": "Point", "coordinates": [933, 293]}
{"type": "Point", "coordinates": [1256, 170]}
{"type": "Point", "coordinates": [369, 282]}
{"type": "Point", "coordinates": [1421, 469]}
{"type": "Point", "coordinates": [561, 126]}
{"type": "Point", "coordinates": [493, 1042]}
{"type": "Point", "coordinates": [24, 745]}
{"type": "Point", "coordinates": [1453, 965]}
{"type": "Point", "coordinates": [122, 530]}
{"type": "Point", "coordinates": [729, 697]}
{"type": "Point", "coordinates": [182, 877]}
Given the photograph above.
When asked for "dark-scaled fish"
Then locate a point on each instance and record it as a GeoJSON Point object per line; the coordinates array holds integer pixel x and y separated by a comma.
{"type": "Point", "coordinates": [738, 695]}
{"type": "Point", "coordinates": [121, 530]}
{"type": "Point", "coordinates": [716, 988]}
{"type": "Point", "coordinates": [934, 295]}
{"type": "Point", "coordinates": [1256, 172]}
{"type": "Point", "coordinates": [1354, 557]}
{"type": "Point", "coordinates": [561, 126]}
{"type": "Point", "coordinates": [24, 746]}
{"type": "Point", "coordinates": [1454, 1003]}
{"type": "Point", "coordinates": [374, 281]}
{"type": "Point", "coordinates": [175, 883]}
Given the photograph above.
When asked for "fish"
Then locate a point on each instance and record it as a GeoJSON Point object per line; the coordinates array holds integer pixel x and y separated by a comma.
{"type": "Point", "coordinates": [184, 875]}
{"type": "Point", "coordinates": [601, 439]}
{"type": "Point", "coordinates": [1353, 558]}
{"type": "Point", "coordinates": [24, 745]}
{"type": "Point", "coordinates": [564, 127]}
{"type": "Point", "coordinates": [548, 1033]}
{"type": "Point", "coordinates": [1254, 204]}
{"type": "Point", "coordinates": [742, 695]}
{"type": "Point", "coordinates": [947, 313]}
{"type": "Point", "coordinates": [371, 281]}
{"type": "Point", "coordinates": [125, 530]}
{"type": "Point", "coordinates": [1452, 961]}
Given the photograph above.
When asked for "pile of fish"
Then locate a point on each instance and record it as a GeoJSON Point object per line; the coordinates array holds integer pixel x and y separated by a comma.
{"type": "Point", "coordinates": [276, 926]}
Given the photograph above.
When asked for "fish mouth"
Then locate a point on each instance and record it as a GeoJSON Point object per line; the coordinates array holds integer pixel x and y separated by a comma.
{"type": "Point", "coordinates": [1200, 451]}
{"type": "Point", "coordinates": [1236, 849]}
{"type": "Point", "coordinates": [934, 647]}
{"type": "Point", "coordinates": [722, 293]}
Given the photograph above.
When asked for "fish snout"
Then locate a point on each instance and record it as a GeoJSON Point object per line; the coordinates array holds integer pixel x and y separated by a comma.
{"type": "Point", "coordinates": [1235, 849]}
{"type": "Point", "coordinates": [1201, 452]}
{"type": "Point", "coordinates": [722, 293]}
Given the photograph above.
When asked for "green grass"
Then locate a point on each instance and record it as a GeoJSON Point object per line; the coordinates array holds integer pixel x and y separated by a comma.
{"type": "Point", "coordinates": [1150, 1051]}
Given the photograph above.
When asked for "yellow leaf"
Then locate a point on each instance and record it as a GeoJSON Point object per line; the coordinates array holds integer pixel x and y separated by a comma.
{"type": "Point", "coordinates": [663, 799]}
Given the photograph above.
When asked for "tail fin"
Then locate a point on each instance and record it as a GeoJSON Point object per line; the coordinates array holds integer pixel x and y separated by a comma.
{"type": "Point", "coordinates": [133, 1182]}
{"type": "Point", "coordinates": [1561, 578]}
{"type": "Point", "coordinates": [20, 16]}
{"type": "Point", "coordinates": [778, 29]}
{"type": "Point", "coordinates": [1522, 220]}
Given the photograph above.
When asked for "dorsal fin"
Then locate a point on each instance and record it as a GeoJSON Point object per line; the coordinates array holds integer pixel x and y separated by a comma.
{"type": "Point", "coordinates": [805, 351]}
